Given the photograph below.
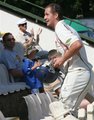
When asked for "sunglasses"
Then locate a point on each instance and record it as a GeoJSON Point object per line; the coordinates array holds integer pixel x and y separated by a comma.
{"type": "Point", "coordinates": [10, 39]}
{"type": "Point", "coordinates": [25, 24]}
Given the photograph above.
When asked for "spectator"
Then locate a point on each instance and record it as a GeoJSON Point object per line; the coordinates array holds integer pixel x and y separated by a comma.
{"type": "Point", "coordinates": [11, 59]}
{"type": "Point", "coordinates": [29, 69]}
{"type": "Point", "coordinates": [56, 85]}
{"type": "Point", "coordinates": [27, 38]}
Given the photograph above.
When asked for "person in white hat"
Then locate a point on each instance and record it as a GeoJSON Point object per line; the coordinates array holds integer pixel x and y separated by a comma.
{"type": "Point", "coordinates": [25, 37]}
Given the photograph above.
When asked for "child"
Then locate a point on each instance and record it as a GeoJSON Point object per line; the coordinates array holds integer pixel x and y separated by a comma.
{"type": "Point", "coordinates": [29, 69]}
{"type": "Point", "coordinates": [56, 85]}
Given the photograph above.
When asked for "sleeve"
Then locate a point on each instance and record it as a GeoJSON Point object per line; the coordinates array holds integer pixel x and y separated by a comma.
{"type": "Point", "coordinates": [66, 34]}
{"type": "Point", "coordinates": [27, 65]}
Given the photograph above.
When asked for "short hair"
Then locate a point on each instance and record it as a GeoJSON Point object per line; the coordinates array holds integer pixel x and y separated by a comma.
{"type": "Point", "coordinates": [4, 38]}
{"type": "Point", "coordinates": [53, 52]}
{"type": "Point", "coordinates": [55, 8]}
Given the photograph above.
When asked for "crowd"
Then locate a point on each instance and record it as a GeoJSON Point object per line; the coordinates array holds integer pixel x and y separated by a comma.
{"type": "Point", "coordinates": [66, 68]}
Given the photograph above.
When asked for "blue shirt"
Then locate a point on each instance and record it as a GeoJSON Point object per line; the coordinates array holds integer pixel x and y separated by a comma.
{"type": "Point", "coordinates": [30, 75]}
{"type": "Point", "coordinates": [11, 60]}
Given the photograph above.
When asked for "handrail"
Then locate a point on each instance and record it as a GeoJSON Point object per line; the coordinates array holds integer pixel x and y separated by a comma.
{"type": "Point", "coordinates": [33, 4]}
{"type": "Point", "coordinates": [13, 8]}
{"type": "Point", "coordinates": [72, 20]}
{"type": "Point", "coordinates": [88, 39]}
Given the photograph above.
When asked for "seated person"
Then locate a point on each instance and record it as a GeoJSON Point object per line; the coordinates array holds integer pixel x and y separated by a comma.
{"type": "Point", "coordinates": [10, 58]}
{"type": "Point", "coordinates": [56, 85]}
{"type": "Point", "coordinates": [30, 69]}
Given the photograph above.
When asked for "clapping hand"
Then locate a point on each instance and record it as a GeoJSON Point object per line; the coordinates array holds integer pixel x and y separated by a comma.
{"type": "Point", "coordinates": [39, 31]}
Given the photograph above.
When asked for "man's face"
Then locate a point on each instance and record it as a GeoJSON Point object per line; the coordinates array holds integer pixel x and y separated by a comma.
{"type": "Point", "coordinates": [10, 42]}
{"type": "Point", "coordinates": [23, 27]}
{"type": "Point", "coordinates": [51, 58]}
{"type": "Point", "coordinates": [50, 18]}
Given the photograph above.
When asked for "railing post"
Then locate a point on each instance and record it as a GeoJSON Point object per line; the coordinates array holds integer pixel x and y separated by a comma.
{"type": "Point", "coordinates": [90, 112]}
{"type": "Point", "coordinates": [81, 114]}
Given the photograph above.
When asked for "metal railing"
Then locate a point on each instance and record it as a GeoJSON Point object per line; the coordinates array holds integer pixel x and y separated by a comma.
{"type": "Point", "coordinates": [26, 8]}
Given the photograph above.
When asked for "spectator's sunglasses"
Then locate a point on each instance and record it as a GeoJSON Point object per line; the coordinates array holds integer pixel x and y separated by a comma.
{"type": "Point", "coordinates": [10, 39]}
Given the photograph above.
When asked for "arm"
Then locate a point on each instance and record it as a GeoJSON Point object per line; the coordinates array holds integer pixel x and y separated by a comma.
{"type": "Point", "coordinates": [37, 64]}
{"type": "Point", "coordinates": [73, 49]}
{"type": "Point", "coordinates": [28, 42]}
{"type": "Point", "coordinates": [37, 35]}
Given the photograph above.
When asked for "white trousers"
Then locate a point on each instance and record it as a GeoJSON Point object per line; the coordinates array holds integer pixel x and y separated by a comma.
{"type": "Point", "coordinates": [74, 88]}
